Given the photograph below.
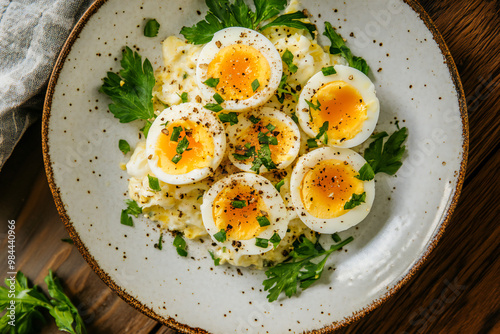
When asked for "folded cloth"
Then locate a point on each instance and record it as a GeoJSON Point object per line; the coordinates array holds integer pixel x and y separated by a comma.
{"type": "Point", "coordinates": [32, 33]}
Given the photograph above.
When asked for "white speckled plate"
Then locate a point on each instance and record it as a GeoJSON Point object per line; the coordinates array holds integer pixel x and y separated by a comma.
{"type": "Point", "coordinates": [417, 83]}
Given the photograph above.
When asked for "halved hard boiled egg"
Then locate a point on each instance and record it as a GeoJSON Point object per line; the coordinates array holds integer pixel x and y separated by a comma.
{"type": "Point", "coordinates": [240, 65]}
{"type": "Point", "coordinates": [244, 212]}
{"type": "Point", "coordinates": [346, 100]}
{"type": "Point", "coordinates": [327, 194]}
{"type": "Point", "coordinates": [264, 131]}
{"type": "Point", "coordinates": [185, 144]}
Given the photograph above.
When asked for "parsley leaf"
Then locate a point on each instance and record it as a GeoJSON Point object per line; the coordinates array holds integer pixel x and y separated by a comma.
{"type": "Point", "coordinates": [133, 208]}
{"type": "Point", "coordinates": [132, 89]}
{"type": "Point", "coordinates": [212, 82]}
{"type": "Point", "coordinates": [287, 58]}
{"type": "Point", "coordinates": [180, 245]}
{"type": "Point", "coordinates": [154, 184]}
{"type": "Point", "coordinates": [366, 173]}
{"type": "Point", "coordinates": [215, 107]}
{"type": "Point", "coordinates": [255, 85]}
{"type": "Point", "coordinates": [220, 236]}
{"type": "Point", "coordinates": [29, 301]}
{"type": "Point", "coordinates": [184, 97]}
{"type": "Point", "coordinates": [328, 70]}
{"type": "Point", "coordinates": [322, 134]}
{"type": "Point", "coordinates": [262, 243]}
{"type": "Point", "coordinates": [176, 132]}
{"type": "Point", "coordinates": [218, 98]}
{"type": "Point", "coordinates": [151, 28]}
{"type": "Point", "coordinates": [223, 14]}
{"type": "Point", "coordinates": [263, 221]}
{"type": "Point", "coordinates": [312, 143]}
{"type": "Point", "coordinates": [279, 185]}
{"type": "Point", "coordinates": [125, 219]}
{"type": "Point", "coordinates": [355, 201]}
{"type": "Point", "coordinates": [216, 260]}
{"type": "Point", "coordinates": [159, 244]}
{"type": "Point", "coordinates": [284, 88]}
{"type": "Point", "coordinates": [254, 119]}
{"type": "Point", "coordinates": [338, 47]}
{"type": "Point", "coordinates": [336, 237]}
{"type": "Point", "coordinates": [182, 145]}
{"type": "Point", "coordinates": [231, 118]}
{"type": "Point", "coordinates": [312, 105]}
{"type": "Point", "coordinates": [275, 240]}
{"type": "Point", "coordinates": [239, 204]}
{"type": "Point", "coordinates": [124, 146]}
{"type": "Point", "coordinates": [386, 158]}
{"type": "Point", "coordinates": [298, 269]}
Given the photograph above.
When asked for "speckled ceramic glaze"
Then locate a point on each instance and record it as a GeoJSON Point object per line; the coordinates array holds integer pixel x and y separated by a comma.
{"type": "Point", "coordinates": [417, 85]}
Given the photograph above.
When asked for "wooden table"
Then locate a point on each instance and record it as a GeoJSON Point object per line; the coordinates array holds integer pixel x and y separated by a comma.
{"type": "Point", "coordinates": [456, 291]}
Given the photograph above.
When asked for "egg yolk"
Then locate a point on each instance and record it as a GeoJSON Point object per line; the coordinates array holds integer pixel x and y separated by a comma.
{"type": "Point", "coordinates": [240, 222]}
{"type": "Point", "coordinates": [284, 135]}
{"type": "Point", "coordinates": [199, 152]}
{"type": "Point", "coordinates": [342, 106]}
{"type": "Point", "coordinates": [328, 186]}
{"type": "Point", "coordinates": [237, 67]}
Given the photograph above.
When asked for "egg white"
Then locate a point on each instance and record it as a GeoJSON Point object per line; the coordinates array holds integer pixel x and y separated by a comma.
{"type": "Point", "coordinates": [237, 35]}
{"type": "Point", "coordinates": [361, 83]}
{"type": "Point", "coordinates": [244, 123]}
{"type": "Point", "coordinates": [352, 216]}
{"type": "Point", "coordinates": [196, 113]}
{"type": "Point", "coordinates": [272, 199]}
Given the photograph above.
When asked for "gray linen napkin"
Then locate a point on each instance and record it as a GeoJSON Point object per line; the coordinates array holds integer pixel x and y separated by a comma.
{"type": "Point", "coordinates": [32, 33]}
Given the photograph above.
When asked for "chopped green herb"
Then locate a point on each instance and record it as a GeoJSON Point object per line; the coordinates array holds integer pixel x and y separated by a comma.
{"type": "Point", "coordinates": [255, 85]}
{"type": "Point", "coordinates": [239, 204]}
{"type": "Point", "coordinates": [132, 89]}
{"type": "Point", "coordinates": [151, 28]}
{"type": "Point", "coordinates": [270, 127]}
{"type": "Point", "coordinates": [287, 58]}
{"type": "Point", "coordinates": [355, 201]}
{"type": "Point", "coordinates": [231, 118]}
{"type": "Point", "coordinates": [145, 128]}
{"type": "Point", "coordinates": [133, 208]}
{"type": "Point", "coordinates": [328, 70]}
{"type": "Point", "coordinates": [275, 240]}
{"type": "Point", "coordinates": [336, 237]}
{"type": "Point", "coordinates": [299, 269]}
{"type": "Point", "coordinates": [68, 240]}
{"type": "Point", "coordinates": [124, 146]}
{"type": "Point", "coordinates": [154, 184]}
{"type": "Point", "coordinates": [182, 145]}
{"type": "Point", "coordinates": [266, 138]}
{"type": "Point", "coordinates": [176, 158]}
{"type": "Point", "coordinates": [295, 118]}
{"type": "Point", "coordinates": [312, 143]}
{"type": "Point", "coordinates": [386, 158]}
{"type": "Point", "coordinates": [180, 245]}
{"type": "Point", "coordinates": [260, 242]}
{"type": "Point", "coordinates": [338, 47]}
{"type": "Point", "coordinates": [254, 119]}
{"type": "Point", "coordinates": [285, 89]}
{"type": "Point", "coordinates": [220, 236]}
{"type": "Point", "coordinates": [279, 185]}
{"type": "Point", "coordinates": [312, 105]}
{"type": "Point", "coordinates": [176, 132]}
{"type": "Point", "coordinates": [218, 98]}
{"type": "Point", "coordinates": [366, 173]}
{"type": "Point", "coordinates": [323, 134]}
{"type": "Point", "coordinates": [184, 76]}
{"type": "Point", "coordinates": [249, 152]}
{"type": "Point", "coordinates": [216, 260]}
{"type": "Point", "coordinates": [215, 107]}
{"type": "Point", "coordinates": [159, 245]}
{"type": "Point", "coordinates": [184, 97]}
{"type": "Point", "coordinates": [125, 219]}
{"type": "Point", "coordinates": [212, 82]}
{"type": "Point", "coordinates": [263, 221]}
{"type": "Point", "coordinates": [292, 20]}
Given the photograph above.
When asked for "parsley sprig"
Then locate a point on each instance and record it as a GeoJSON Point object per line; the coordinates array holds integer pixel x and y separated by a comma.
{"type": "Point", "coordinates": [284, 89]}
{"type": "Point", "coordinates": [29, 301]}
{"type": "Point", "coordinates": [131, 90]}
{"type": "Point", "coordinates": [299, 269]}
{"type": "Point", "coordinates": [338, 47]}
{"type": "Point", "coordinates": [223, 14]}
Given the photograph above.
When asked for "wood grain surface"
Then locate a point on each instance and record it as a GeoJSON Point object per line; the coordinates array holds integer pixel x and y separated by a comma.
{"type": "Point", "coordinates": [456, 291]}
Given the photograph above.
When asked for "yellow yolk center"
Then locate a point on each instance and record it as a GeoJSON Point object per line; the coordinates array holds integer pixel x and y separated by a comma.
{"type": "Point", "coordinates": [237, 67]}
{"type": "Point", "coordinates": [199, 153]}
{"type": "Point", "coordinates": [343, 107]}
{"type": "Point", "coordinates": [328, 186]}
{"type": "Point", "coordinates": [282, 132]}
{"type": "Point", "coordinates": [239, 223]}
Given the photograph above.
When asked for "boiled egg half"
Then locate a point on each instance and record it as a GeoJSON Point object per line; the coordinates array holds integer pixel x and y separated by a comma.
{"type": "Point", "coordinates": [326, 192]}
{"type": "Point", "coordinates": [346, 100]}
{"type": "Point", "coordinates": [240, 65]}
{"type": "Point", "coordinates": [185, 144]}
{"type": "Point", "coordinates": [245, 213]}
{"type": "Point", "coordinates": [264, 126]}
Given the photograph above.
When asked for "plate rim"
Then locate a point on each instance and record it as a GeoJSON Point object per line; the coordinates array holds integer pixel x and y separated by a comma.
{"type": "Point", "coordinates": [172, 323]}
